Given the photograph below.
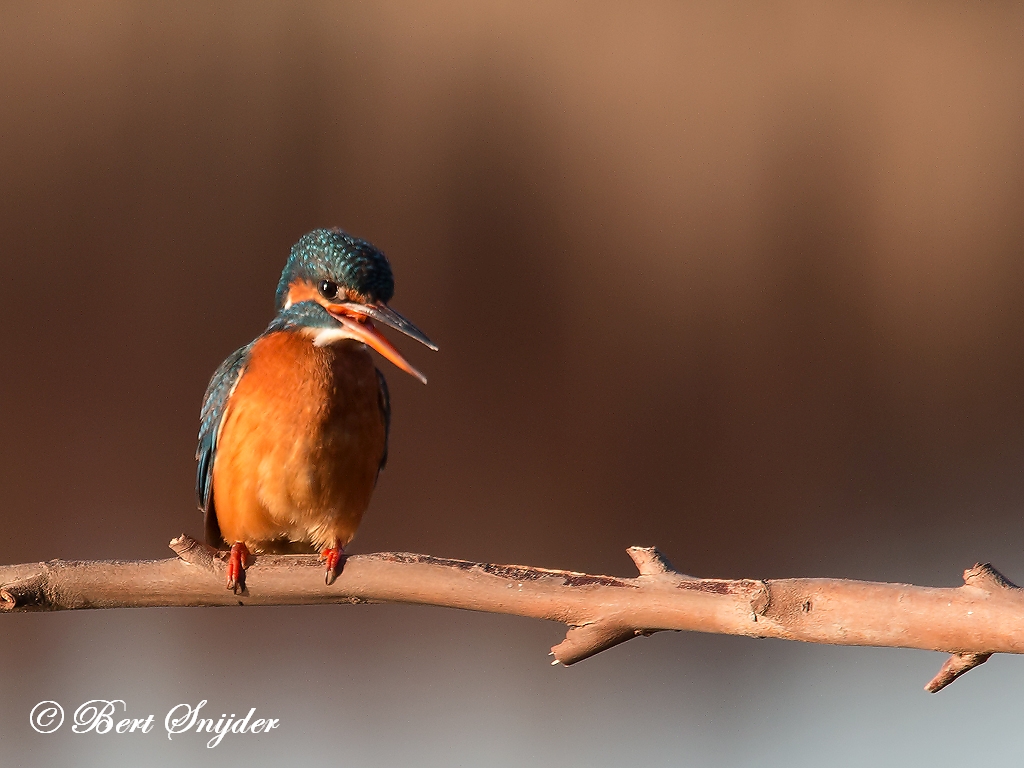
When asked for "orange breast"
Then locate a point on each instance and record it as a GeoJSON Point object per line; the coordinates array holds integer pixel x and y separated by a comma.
{"type": "Point", "coordinates": [300, 445]}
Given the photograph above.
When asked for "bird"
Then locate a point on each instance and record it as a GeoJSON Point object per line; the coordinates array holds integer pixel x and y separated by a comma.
{"type": "Point", "coordinates": [294, 426]}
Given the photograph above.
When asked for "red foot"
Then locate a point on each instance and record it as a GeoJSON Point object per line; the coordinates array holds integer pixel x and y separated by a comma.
{"type": "Point", "coordinates": [238, 560]}
{"type": "Point", "coordinates": [334, 557]}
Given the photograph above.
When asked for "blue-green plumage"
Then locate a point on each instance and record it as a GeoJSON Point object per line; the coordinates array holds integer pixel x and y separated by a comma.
{"type": "Point", "coordinates": [330, 254]}
{"type": "Point", "coordinates": [214, 402]}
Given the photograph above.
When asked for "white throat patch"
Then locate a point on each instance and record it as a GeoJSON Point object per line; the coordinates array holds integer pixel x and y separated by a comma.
{"type": "Point", "coordinates": [323, 337]}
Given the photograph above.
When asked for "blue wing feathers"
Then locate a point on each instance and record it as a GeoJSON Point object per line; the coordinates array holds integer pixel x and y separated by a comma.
{"type": "Point", "coordinates": [212, 414]}
{"type": "Point", "coordinates": [384, 402]}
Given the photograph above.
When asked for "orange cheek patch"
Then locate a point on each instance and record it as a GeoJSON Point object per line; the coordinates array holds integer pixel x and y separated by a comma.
{"type": "Point", "coordinates": [303, 291]}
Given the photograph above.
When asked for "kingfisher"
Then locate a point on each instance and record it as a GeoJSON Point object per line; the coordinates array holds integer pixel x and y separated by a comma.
{"type": "Point", "coordinates": [294, 425]}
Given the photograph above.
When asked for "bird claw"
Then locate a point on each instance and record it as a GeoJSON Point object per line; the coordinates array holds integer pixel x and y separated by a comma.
{"type": "Point", "coordinates": [239, 558]}
{"type": "Point", "coordinates": [334, 557]}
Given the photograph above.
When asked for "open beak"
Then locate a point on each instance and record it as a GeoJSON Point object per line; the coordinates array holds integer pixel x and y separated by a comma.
{"type": "Point", "coordinates": [357, 319]}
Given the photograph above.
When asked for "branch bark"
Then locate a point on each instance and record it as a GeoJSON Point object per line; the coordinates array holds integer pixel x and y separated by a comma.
{"type": "Point", "coordinates": [973, 621]}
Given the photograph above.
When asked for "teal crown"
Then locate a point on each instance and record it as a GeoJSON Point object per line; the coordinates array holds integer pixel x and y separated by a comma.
{"type": "Point", "coordinates": [330, 254]}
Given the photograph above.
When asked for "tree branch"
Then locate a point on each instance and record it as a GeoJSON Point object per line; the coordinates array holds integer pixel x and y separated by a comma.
{"type": "Point", "coordinates": [982, 617]}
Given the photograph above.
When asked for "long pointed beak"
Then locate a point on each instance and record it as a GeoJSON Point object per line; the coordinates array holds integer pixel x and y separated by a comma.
{"type": "Point", "coordinates": [364, 331]}
{"type": "Point", "coordinates": [385, 314]}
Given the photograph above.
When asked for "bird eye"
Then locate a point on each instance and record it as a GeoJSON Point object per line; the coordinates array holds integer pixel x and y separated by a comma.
{"type": "Point", "coordinates": [328, 289]}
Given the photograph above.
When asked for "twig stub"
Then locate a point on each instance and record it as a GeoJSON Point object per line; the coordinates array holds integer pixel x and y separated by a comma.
{"type": "Point", "coordinates": [956, 665]}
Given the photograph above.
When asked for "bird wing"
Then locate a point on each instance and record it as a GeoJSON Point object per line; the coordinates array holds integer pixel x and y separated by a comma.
{"type": "Point", "coordinates": [215, 403]}
{"type": "Point", "coordinates": [384, 402]}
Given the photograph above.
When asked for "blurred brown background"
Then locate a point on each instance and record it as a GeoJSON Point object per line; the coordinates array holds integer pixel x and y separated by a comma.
{"type": "Point", "coordinates": [744, 282]}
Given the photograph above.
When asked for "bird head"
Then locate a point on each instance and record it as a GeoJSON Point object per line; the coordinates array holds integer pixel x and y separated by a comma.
{"type": "Point", "coordinates": [352, 281]}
